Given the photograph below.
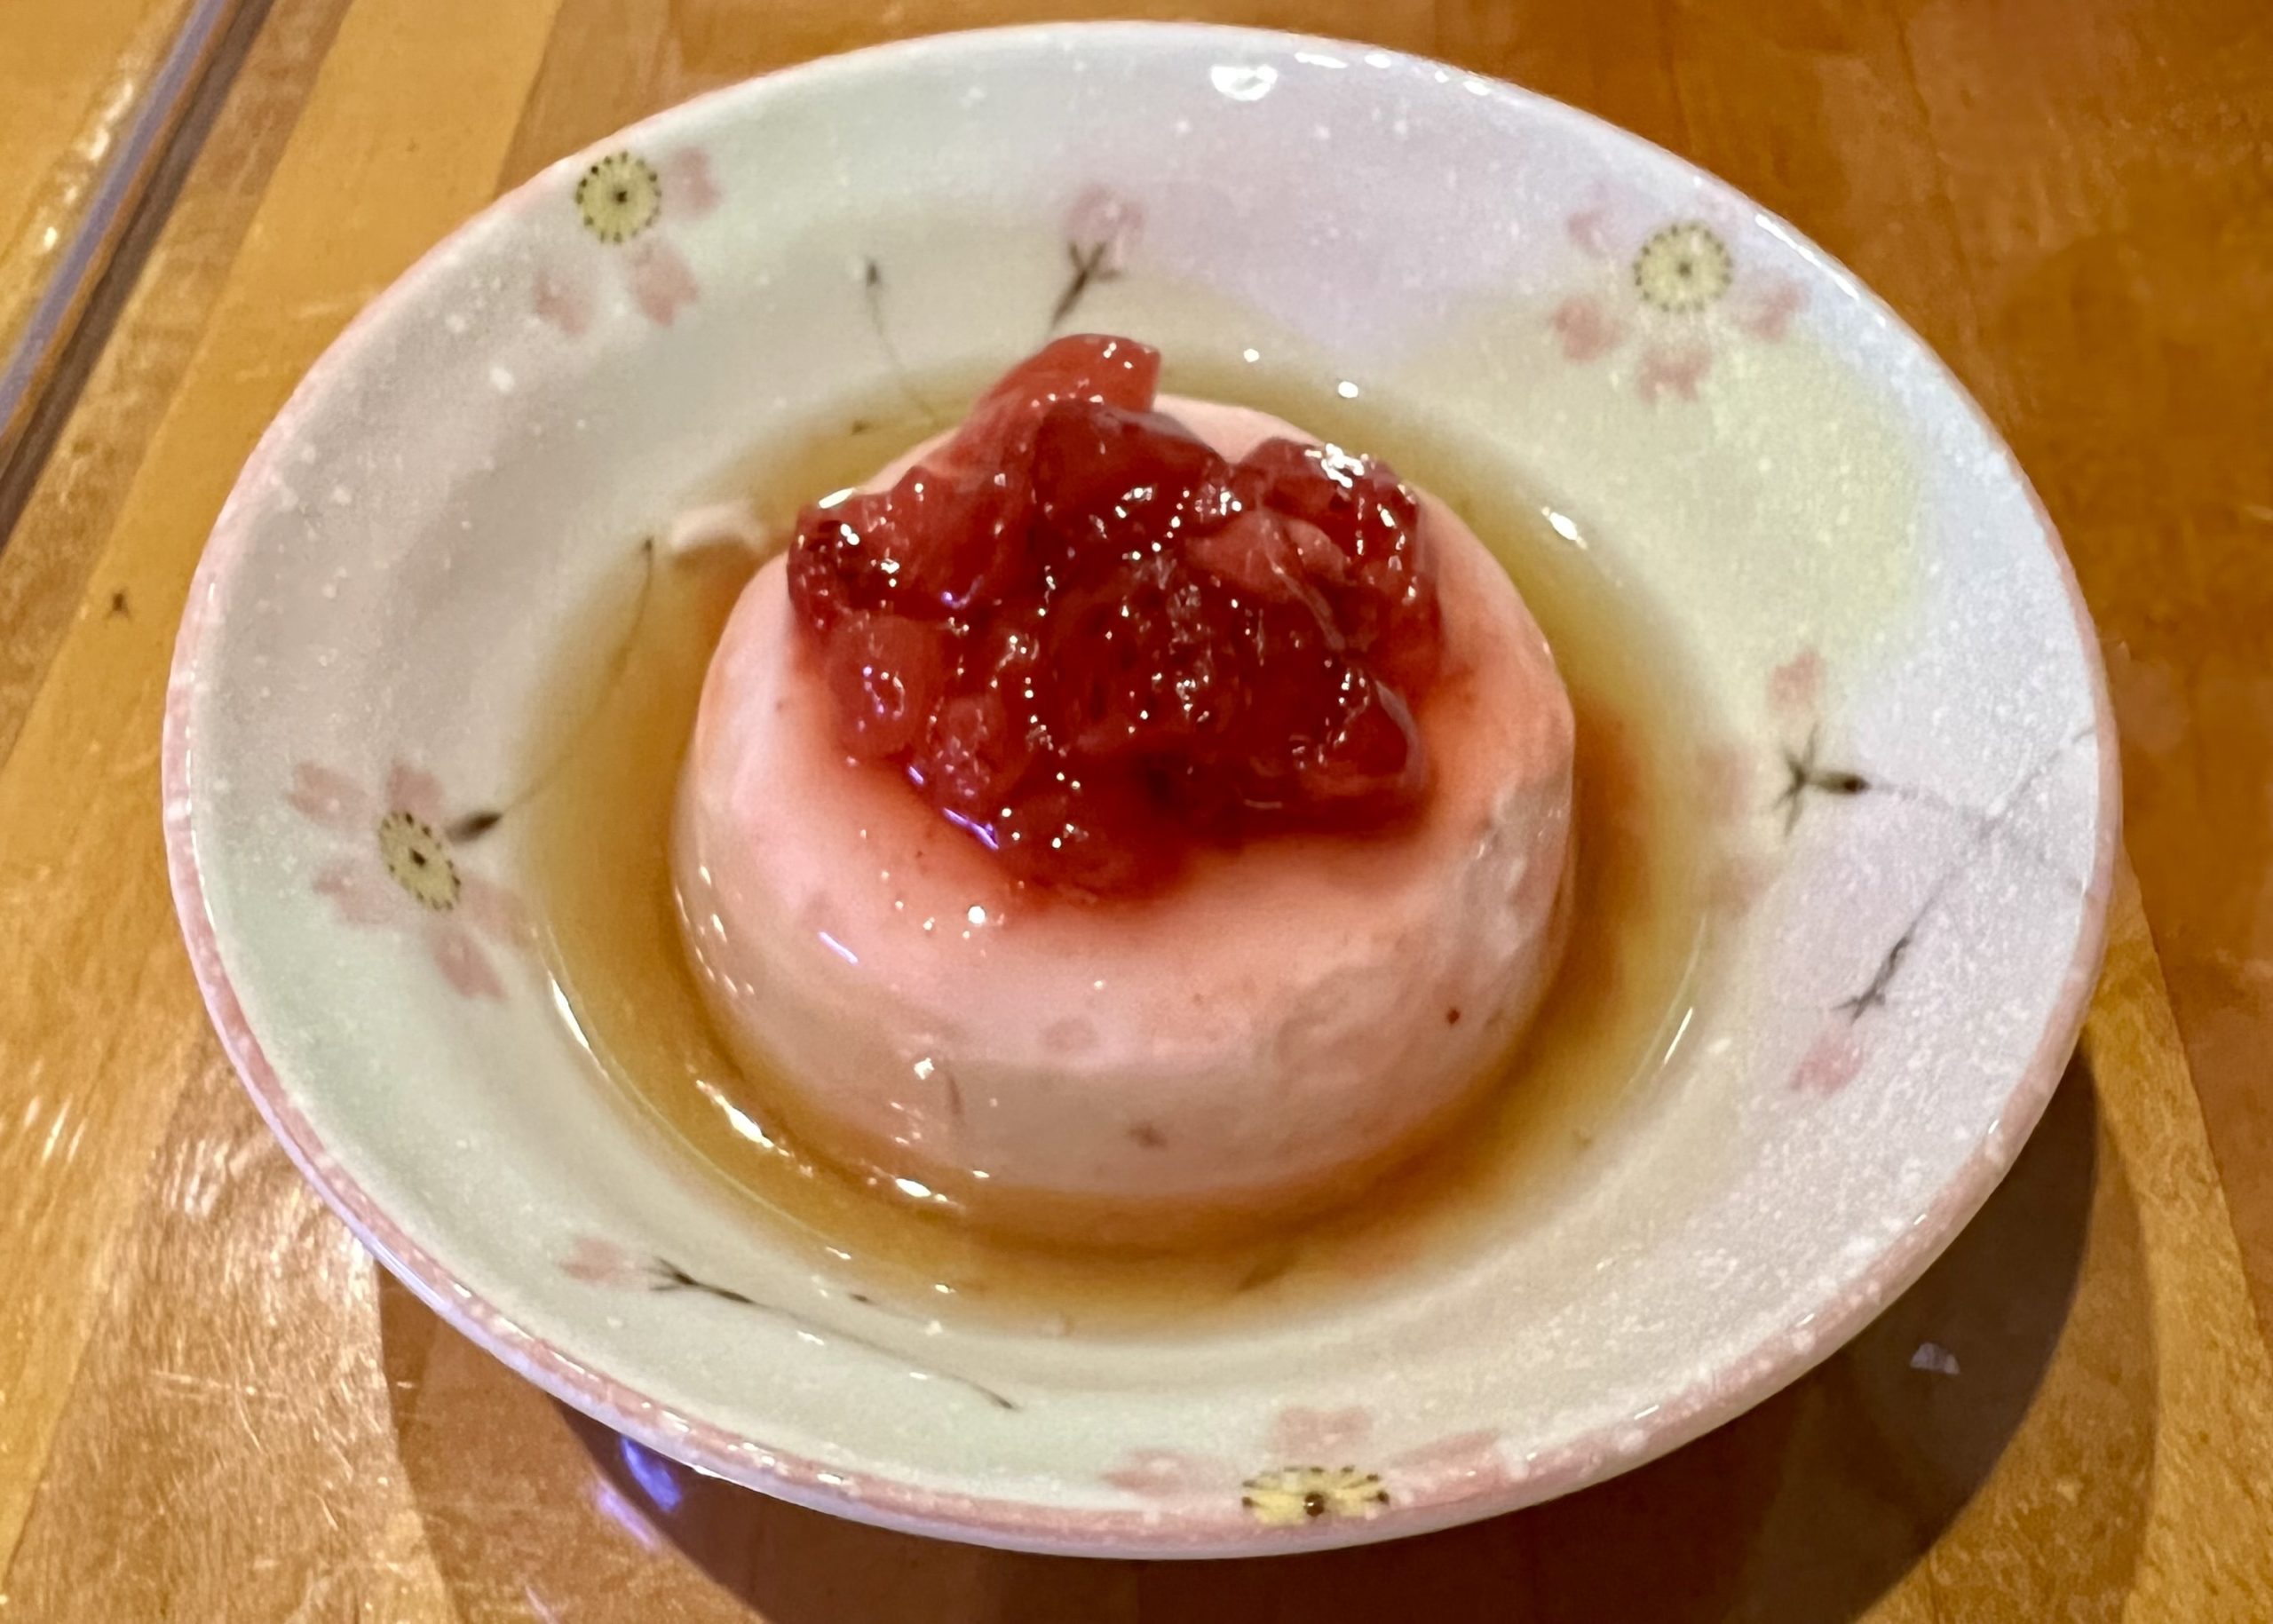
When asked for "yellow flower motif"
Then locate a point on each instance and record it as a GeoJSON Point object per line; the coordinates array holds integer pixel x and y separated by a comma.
{"type": "Point", "coordinates": [419, 860]}
{"type": "Point", "coordinates": [620, 196]}
{"type": "Point", "coordinates": [1298, 1494]}
{"type": "Point", "coordinates": [1683, 267]}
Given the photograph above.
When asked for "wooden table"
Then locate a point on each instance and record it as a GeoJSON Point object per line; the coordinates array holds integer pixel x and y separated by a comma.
{"type": "Point", "coordinates": [212, 1406]}
{"type": "Point", "coordinates": [70, 82]}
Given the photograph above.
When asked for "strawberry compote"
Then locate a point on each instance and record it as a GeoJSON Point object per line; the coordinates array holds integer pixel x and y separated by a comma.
{"type": "Point", "coordinates": [1092, 642]}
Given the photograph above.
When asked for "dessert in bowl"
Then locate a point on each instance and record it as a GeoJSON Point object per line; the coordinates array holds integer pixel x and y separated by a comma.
{"type": "Point", "coordinates": [1511, 1061]}
{"type": "Point", "coordinates": [1216, 859]}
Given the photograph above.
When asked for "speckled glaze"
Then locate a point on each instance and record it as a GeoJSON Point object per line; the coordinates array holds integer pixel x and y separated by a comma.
{"type": "Point", "coordinates": [1923, 788]}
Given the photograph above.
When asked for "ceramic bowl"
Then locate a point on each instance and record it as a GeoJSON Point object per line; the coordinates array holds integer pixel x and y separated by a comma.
{"type": "Point", "coordinates": [1922, 773]}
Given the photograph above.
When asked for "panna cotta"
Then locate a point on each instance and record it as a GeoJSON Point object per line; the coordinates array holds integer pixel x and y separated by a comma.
{"type": "Point", "coordinates": [1123, 817]}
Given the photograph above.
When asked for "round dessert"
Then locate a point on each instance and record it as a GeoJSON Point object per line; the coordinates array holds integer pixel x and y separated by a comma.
{"type": "Point", "coordinates": [1121, 817]}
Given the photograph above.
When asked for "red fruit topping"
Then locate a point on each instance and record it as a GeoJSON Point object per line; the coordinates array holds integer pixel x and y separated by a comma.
{"type": "Point", "coordinates": [1091, 642]}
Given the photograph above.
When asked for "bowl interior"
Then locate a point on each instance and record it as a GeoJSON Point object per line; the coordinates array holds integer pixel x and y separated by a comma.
{"type": "Point", "coordinates": [1911, 741]}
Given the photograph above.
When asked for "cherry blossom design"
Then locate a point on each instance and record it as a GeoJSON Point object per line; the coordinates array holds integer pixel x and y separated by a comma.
{"type": "Point", "coordinates": [1169, 1474]}
{"type": "Point", "coordinates": [1101, 232]}
{"type": "Point", "coordinates": [1469, 1461]}
{"type": "Point", "coordinates": [628, 203]}
{"type": "Point", "coordinates": [1736, 882]}
{"type": "Point", "coordinates": [1831, 1061]}
{"type": "Point", "coordinates": [1795, 699]}
{"type": "Point", "coordinates": [1300, 1434]}
{"type": "Point", "coordinates": [1727, 795]}
{"type": "Point", "coordinates": [1290, 1495]}
{"type": "Point", "coordinates": [1672, 290]}
{"type": "Point", "coordinates": [403, 872]}
{"type": "Point", "coordinates": [1795, 687]}
{"type": "Point", "coordinates": [1794, 692]}
{"type": "Point", "coordinates": [603, 1263]}
{"type": "Point", "coordinates": [600, 1262]}
{"type": "Point", "coordinates": [1837, 1052]}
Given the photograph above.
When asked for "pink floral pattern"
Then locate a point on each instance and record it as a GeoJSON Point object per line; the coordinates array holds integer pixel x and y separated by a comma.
{"type": "Point", "coordinates": [1736, 881]}
{"type": "Point", "coordinates": [1312, 1475]}
{"type": "Point", "coordinates": [1726, 790]}
{"type": "Point", "coordinates": [1834, 1056]}
{"type": "Point", "coordinates": [1671, 289]}
{"type": "Point", "coordinates": [600, 1262]}
{"type": "Point", "coordinates": [1318, 1434]}
{"type": "Point", "coordinates": [1167, 1474]}
{"type": "Point", "coordinates": [1795, 687]}
{"type": "Point", "coordinates": [401, 871]}
{"type": "Point", "coordinates": [629, 205]}
{"type": "Point", "coordinates": [1831, 1061]}
{"type": "Point", "coordinates": [1102, 229]}
{"type": "Point", "coordinates": [603, 1263]}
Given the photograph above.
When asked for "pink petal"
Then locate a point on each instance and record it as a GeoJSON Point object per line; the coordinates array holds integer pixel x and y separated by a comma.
{"type": "Point", "coordinates": [662, 281]}
{"type": "Point", "coordinates": [1469, 1459]}
{"type": "Point", "coordinates": [1103, 219]}
{"type": "Point", "coordinates": [1680, 369]}
{"type": "Point", "coordinates": [566, 305]}
{"type": "Point", "coordinates": [462, 960]}
{"type": "Point", "coordinates": [1736, 884]}
{"type": "Point", "coordinates": [1163, 1474]}
{"type": "Point", "coordinates": [498, 913]}
{"type": "Point", "coordinates": [690, 191]}
{"type": "Point", "coordinates": [332, 799]}
{"type": "Point", "coordinates": [1585, 328]}
{"type": "Point", "coordinates": [418, 792]}
{"type": "Point", "coordinates": [359, 893]}
{"type": "Point", "coordinates": [602, 1263]}
{"type": "Point", "coordinates": [1589, 228]}
{"type": "Point", "coordinates": [1772, 313]}
{"type": "Point", "coordinates": [1794, 686]}
{"type": "Point", "coordinates": [1319, 1438]}
{"type": "Point", "coordinates": [1831, 1061]}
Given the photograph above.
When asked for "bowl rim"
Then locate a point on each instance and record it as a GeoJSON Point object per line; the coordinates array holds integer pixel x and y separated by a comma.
{"type": "Point", "coordinates": [1150, 1529]}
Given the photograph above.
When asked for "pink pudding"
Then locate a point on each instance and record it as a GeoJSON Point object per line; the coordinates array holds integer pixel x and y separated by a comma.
{"type": "Point", "coordinates": [1230, 975]}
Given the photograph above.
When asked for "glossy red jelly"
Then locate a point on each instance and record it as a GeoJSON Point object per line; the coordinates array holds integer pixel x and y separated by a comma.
{"type": "Point", "coordinates": [1092, 642]}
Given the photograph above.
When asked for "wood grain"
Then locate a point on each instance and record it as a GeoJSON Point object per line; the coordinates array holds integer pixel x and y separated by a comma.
{"type": "Point", "coordinates": [312, 1443]}
{"type": "Point", "coordinates": [100, 1025]}
{"type": "Point", "coordinates": [211, 1405]}
{"type": "Point", "coordinates": [70, 79]}
{"type": "Point", "coordinates": [45, 564]}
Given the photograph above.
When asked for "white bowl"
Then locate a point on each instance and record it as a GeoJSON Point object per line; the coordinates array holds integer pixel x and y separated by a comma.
{"type": "Point", "coordinates": [1924, 774]}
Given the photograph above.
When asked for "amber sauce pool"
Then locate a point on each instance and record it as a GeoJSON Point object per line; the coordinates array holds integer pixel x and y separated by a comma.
{"type": "Point", "coordinates": [597, 847]}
